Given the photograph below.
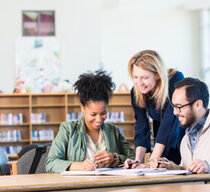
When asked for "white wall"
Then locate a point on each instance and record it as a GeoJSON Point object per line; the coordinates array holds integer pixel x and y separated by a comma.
{"type": "Point", "coordinates": [77, 28]}
{"type": "Point", "coordinates": [135, 25]}
{"type": "Point", "coordinates": [93, 33]}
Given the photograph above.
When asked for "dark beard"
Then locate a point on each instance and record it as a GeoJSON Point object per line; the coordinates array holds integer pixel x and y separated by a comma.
{"type": "Point", "coordinates": [189, 122]}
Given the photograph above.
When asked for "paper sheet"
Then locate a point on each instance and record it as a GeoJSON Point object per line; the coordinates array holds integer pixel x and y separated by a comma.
{"type": "Point", "coordinates": [169, 172]}
{"type": "Point", "coordinates": [115, 171]}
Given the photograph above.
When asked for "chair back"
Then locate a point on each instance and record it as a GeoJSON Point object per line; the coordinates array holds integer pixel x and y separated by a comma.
{"type": "Point", "coordinates": [33, 161]}
{"type": "Point", "coordinates": [26, 149]}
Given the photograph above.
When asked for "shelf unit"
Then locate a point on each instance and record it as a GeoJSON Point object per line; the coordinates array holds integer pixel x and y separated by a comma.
{"type": "Point", "coordinates": [56, 107]}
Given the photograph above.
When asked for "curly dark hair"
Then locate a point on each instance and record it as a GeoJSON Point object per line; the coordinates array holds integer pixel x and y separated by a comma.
{"type": "Point", "coordinates": [97, 86]}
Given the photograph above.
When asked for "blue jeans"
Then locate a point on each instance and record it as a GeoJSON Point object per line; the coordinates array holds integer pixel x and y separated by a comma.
{"type": "Point", "coordinates": [3, 157]}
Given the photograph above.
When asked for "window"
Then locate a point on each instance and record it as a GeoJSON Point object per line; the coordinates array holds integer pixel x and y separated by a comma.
{"type": "Point", "coordinates": [38, 23]}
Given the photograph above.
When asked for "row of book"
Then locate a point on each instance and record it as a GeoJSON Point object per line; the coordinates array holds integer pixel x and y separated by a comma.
{"type": "Point", "coordinates": [11, 150]}
{"type": "Point", "coordinates": [115, 117]}
{"type": "Point", "coordinates": [38, 117]}
{"type": "Point", "coordinates": [73, 116]}
{"type": "Point", "coordinates": [10, 118]}
{"type": "Point", "coordinates": [111, 116]}
{"type": "Point", "coordinates": [11, 135]}
{"type": "Point", "coordinates": [41, 117]}
{"type": "Point", "coordinates": [42, 135]}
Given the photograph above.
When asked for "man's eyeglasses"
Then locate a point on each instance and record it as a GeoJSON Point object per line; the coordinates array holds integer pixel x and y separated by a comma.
{"type": "Point", "coordinates": [179, 108]}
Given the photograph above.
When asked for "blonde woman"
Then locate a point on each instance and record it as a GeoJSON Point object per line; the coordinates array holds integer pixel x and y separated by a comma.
{"type": "Point", "coordinates": [150, 95]}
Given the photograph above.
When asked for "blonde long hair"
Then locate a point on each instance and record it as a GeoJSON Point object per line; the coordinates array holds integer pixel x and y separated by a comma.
{"type": "Point", "coordinates": [151, 61]}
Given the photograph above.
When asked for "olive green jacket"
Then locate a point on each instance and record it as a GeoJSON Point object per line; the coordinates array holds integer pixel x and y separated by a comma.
{"type": "Point", "coordinates": [70, 145]}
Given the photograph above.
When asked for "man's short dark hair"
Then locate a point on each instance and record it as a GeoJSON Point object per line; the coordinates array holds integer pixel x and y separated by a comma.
{"type": "Point", "coordinates": [195, 90]}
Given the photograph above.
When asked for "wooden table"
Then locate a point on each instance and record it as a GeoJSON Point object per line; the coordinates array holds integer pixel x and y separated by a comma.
{"type": "Point", "coordinates": [156, 188]}
{"type": "Point", "coordinates": [43, 182]}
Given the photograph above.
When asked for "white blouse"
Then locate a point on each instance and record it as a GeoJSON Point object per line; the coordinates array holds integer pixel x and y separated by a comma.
{"type": "Point", "coordinates": [93, 148]}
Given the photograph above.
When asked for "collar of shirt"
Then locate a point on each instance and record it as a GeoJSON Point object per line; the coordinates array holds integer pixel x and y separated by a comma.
{"type": "Point", "coordinates": [193, 131]}
{"type": "Point", "coordinates": [198, 126]}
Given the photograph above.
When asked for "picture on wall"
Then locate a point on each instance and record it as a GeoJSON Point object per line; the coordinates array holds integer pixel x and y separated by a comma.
{"type": "Point", "coordinates": [38, 64]}
{"type": "Point", "coordinates": [38, 23]}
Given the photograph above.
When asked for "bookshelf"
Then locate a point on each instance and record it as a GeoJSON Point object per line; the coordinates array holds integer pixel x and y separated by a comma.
{"type": "Point", "coordinates": [42, 114]}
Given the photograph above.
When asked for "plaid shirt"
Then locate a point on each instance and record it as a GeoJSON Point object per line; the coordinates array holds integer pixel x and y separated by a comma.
{"type": "Point", "coordinates": [195, 130]}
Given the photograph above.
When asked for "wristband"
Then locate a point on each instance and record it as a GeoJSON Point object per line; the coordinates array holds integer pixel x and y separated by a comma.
{"type": "Point", "coordinates": [116, 161]}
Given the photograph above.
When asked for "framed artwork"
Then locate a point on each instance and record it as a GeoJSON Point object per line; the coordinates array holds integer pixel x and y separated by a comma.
{"type": "Point", "coordinates": [38, 65]}
{"type": "Point", "coordinates": [38, 23]}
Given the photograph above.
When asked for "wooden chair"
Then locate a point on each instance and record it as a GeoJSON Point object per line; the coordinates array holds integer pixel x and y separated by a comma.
{"type": "Point", "coordinates": [146, 157]}
{"type": "Point", "coordinates": [13, 167]}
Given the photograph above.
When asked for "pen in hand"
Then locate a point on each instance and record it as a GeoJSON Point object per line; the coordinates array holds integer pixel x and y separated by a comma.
{"type": "Point", "coordinates": [164, 162]}
{"type": "Point", "coordinates": [156, 163]}
{"type": "Point", "coordinates": [129, 164]}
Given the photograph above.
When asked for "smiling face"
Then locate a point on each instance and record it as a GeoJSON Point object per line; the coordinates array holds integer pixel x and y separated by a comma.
{"type": "Point", "coordinates": [187, 115]}
{"type": "Point", "coordinates": [95, 113]}
{"type": "Point", "coordinates": [144, 80]}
